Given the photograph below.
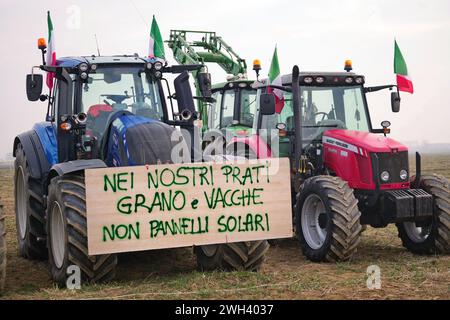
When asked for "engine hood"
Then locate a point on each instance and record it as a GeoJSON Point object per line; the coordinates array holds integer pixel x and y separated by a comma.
{"type": "Point", "coordinates": [362, 142]}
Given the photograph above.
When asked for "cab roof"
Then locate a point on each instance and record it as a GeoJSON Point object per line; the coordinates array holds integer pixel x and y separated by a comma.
{"type": "Point", "coordinates": [331, 78]}
{"type": "Point", "coordinates": [72, 62]}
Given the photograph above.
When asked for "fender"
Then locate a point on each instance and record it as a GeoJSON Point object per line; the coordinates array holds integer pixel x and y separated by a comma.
{"type": "Point", "coordinates": [61, 169]}
{"type": "Point", "coordinates": [255, 143]}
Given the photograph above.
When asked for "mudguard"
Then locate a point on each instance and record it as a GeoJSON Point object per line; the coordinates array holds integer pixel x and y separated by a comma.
{"type": "Point", "coordinates": [74, 166]}
{"type": "Point", "coordinates": [39, 145]}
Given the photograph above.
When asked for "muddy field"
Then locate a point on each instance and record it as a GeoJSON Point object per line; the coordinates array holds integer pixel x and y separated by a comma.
{"type": "Point", "coordinates": [171, 274]}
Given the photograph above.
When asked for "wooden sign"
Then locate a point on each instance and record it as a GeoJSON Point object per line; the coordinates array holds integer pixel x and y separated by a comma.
{"type": "Point", "coordinates": [179, 205]}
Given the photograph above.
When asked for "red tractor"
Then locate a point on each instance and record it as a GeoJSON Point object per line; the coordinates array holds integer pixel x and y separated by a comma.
{"type": "Point", "coordinates": [346, 174]}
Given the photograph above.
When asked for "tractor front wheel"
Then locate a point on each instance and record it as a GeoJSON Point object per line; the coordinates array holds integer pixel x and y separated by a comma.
{"type": "Point", "coordinates": [29, 208]}
{"type": "Point", "coordinates": [327, 219]}
{"type": "Point", "coordinates": [67, 234]}
{"type": "Point", "coordinates": [240, 256]}
{"type": "Point", "coordinates": [434, 236]}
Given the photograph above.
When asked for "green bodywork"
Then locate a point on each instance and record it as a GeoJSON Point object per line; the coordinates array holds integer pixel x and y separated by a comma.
{"type": "Point", "coordinates": [207, 48]}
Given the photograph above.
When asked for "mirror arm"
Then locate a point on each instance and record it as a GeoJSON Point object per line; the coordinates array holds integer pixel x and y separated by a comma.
{"type": "Point", "coordinates": [378, 88]}
{"type": "Point", "coordinates": [283, 88]}
{"type": "Point", "coordinates": [181, 68]}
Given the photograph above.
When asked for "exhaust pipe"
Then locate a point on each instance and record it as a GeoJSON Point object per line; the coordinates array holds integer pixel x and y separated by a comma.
{"type": "Point", "coordinates": [186, 115]}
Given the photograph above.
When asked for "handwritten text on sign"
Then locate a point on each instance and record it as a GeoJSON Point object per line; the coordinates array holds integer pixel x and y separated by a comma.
{"type": "Point", "coordinates": [178, 205]}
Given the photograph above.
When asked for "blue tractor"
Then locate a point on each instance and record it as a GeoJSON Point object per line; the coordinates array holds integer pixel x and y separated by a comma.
{"type": "Point", "coordinates": [102, 112]}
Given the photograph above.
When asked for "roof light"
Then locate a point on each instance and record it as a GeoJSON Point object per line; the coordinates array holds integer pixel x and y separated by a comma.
{"type": "Point", "coordinates": [158, 65]}
{"type": "Point", "coordinates": [308, 79]}
{"type": "Point", "coordinates": [320, 79]}
{"type": "Point", "coordinates": [359, 80]}
{"type": "Point", "coordinates": [349, 80]}
{"type": "Point", "coordinates": [93, 67]}
{"type": "Point", "coordinates": [256, 64]}
{"type": "Point", "coordinates": [149, 65]}
{"type": "Point", "coordinates": [242, 84]}
{"type": "Point", "coordinates": [83, 67]}
{"type": "Point", "coordinates": [348, 65]}
{"type": "Point", "coordinates": [42, 44]}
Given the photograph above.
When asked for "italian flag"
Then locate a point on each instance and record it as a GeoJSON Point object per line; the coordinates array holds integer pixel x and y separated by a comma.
{"type": "Point", "coordinates": [275, 79]}
{"type": "Point", "coordinates": [50, 60]}
{"type": "Point", "coordinates": [156, 44]}
{"type": "Point", "coordinates": [404, 82]}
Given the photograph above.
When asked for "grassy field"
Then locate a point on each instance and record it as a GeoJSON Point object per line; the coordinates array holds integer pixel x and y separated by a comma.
{"type": "Point", "coordinates": [171, 274]}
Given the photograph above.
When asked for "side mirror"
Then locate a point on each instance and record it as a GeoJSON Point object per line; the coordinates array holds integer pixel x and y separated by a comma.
{"type": "Point", "coordinates": [395, 101]}
{"type": "Point", "coordinates": [183, 93]}
{"type": "Point", "coordinates": [267, 104]}
{"type": "Point", "coordinates": [34, 86]}
{"type": "Point", "coordinates": [204, 81]}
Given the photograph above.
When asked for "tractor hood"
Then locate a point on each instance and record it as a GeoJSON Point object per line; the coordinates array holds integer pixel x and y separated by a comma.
{"type": "Point", "coordinates": [362, 142]}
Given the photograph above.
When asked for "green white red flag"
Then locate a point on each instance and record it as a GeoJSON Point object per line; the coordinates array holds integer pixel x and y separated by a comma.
{"type": "Point", "coordinates": [275, 79]}
{"type": "Point", "coordinates": [404, 82]}
{"type": "Point", "coordinates": [50, 60]}
{"type": "Point", "coordinates": [156, 44]}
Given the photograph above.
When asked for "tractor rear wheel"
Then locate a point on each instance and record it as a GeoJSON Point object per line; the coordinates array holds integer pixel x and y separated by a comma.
{"type": "Point", "coordinates": [2, 250]}
{"type": "Point", "coordinates": [240, 256]}
{"type": "Point", "coordinates": [327, 219]}
{"type": "Point", "coordinates": [433, 237]}
{"type": "Point", "coordinates": [30, 212]}
{"type": "Point", "coordinates": [67, 234]}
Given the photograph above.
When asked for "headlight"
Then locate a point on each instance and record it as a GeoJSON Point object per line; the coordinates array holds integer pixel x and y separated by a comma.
{"type": "Point", "coordinates": [93, 67]}
{"type": "Point", "coordinates": [359, 80]}
{"type": "Point", "coordinates": [149, 65]}
{"type": "Point", "coordinates": [320, 79]}
{"type": "Point", "coordinates": [83, 67]}
{"type": "Point", "coordinates": [385, 176]}
{"type": "Point", "coordinates": [403, 174]}
{"type": "Point", "coordinates": [83, 75]}
{"type": "Point", "coordinates": [349, 80]}
{"type": "Point", "coordinates": [158, 65]}
{"type": "Point", "coordinates": [158, 74]}
{"type": "Point", "coordinates": [308, 79]}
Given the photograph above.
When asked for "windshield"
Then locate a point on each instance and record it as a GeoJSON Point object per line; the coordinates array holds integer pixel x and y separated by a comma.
{"type": "Point", "coordinates": [248, 107]}
{"type": "Point", "coordinates": [323, 108]}
{"type": "Point", "coordinates": [119, 88]}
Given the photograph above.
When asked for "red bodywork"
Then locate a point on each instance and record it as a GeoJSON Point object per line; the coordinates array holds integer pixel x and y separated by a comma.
{"type": "Point", "coordinates": [347, 153]}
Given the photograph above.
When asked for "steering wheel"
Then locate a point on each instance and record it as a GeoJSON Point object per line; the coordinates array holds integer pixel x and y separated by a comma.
{"type": "Point", "coordinates": [117, 98]}
{"type": "Point", "coordinates": [324, 114]}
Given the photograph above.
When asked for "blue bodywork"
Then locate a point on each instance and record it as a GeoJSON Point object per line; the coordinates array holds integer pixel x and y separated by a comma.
{"type": "Point", "coordinates": [46, 132]}
{"type": "Point", "coordinates": [118, 132]}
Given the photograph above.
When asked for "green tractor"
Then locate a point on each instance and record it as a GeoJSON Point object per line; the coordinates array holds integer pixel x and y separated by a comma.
{"type": "Point", "coordinates": [233, 103]}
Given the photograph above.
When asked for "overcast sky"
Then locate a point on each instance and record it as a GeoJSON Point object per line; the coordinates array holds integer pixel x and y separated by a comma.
{"type": "Point", "coordinates": [317, 35]}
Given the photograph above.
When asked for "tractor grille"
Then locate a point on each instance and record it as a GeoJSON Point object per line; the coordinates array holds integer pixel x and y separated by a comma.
{"type": "Point", "coordinates": [392, 163]}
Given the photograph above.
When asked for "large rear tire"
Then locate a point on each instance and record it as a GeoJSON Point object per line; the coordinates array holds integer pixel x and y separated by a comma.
{"type": "Point", "coordinates": [433, 237]}
{"type": "Point", "coordinates": [327, 219]}
{"type": "Point", "coordinates": [2, 250]}
{"type": "Point", "coordinates": [67, 234]}
{"type": "Point", "coordinates": [29, 208]}
{"type": "Point", "coordinates": [236, 256]}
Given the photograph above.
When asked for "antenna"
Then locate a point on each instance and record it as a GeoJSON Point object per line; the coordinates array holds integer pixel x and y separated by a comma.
{"type": "Point", "coordinates": [96, 41]}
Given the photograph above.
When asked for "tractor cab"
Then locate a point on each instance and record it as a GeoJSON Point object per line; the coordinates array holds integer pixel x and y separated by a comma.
{"type": "Point", "coordinates": [104, 107]}
{"type": "Point", "coordinates": [331, 100]}
{"type": "Point", "coordinates": [234, 107]}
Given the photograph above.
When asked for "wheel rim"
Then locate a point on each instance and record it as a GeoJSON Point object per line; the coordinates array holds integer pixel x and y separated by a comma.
{"type": "Point", "coordinates": [21, 204]}
{"type": "Point", "coordinates": [315, 233]}
{"type": "Point", "coordinates": [415, 233]}
{"type": "Point", "coordinates": [209, 250]}
{"type": "Point", "coordinates": [57, 235]}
